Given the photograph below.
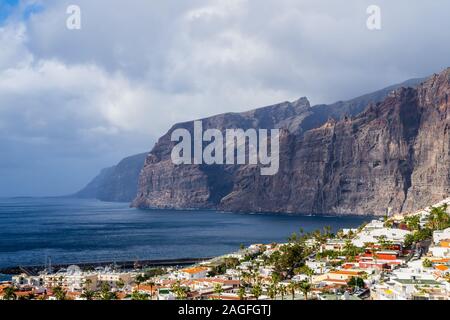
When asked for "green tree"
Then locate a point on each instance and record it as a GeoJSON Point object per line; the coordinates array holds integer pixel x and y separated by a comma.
{"type": "Point", "coordinates": [88, 295]}
{"type": "Point", "coordinates": [305, 288]}
{"type": "Point", "coordinates": [276, 277]}
{"type": "Point", "coordinates": [350, 251]}
{"type": "Point", "coordinates": [272, 291]}
{"type": "Point", "coordinates": [292, 286]}
{"type": "Point", "coordinates": [154, 272]}
{"type": "Point", "coordinates": [356, 282]}
{"type": "Point", "coordinates": [218, 289]}
{"type": "Point", "coordinates": [438, 218]}
{"type": "Point", "coordinates": [242, 294]}
{"type": "Point", "coordinates": [427, 263]}
{"type": "Point", "coordinates": [291, 257]}
{"type": "Point", "coordinates": [152, 284]}
{"type": "Point", "coordinates": [413, 223]}
{"type": "Point", "coordinates": [257, 291]}
{"type": "Point", "coordinates": [418, 236]}
{"type": "Point", "coordinates": [180, 291]}
{"type": "Point", "coordinates": [307, 271]}
{"type": "Point", "coordinates": [282, 290]}
{"type": "Point", "coordinates": [139, 280]}
{"type": "Point", "coordinates": [59, 293]}
{"type": "Point", "coordinates": [9, 293]}
{"type": "Point", "coordinates": [136, 295]}
{"type": "Point", "coordinates": [231, 263]}
{"type": "Point", "coordinates": [87, 283]}
{"type": "Point", "coordinates": [105, 292]}
{"type": "Point", "coordinates": [384, 243]}
{"type": "Point", "coordinates": [120, 284]}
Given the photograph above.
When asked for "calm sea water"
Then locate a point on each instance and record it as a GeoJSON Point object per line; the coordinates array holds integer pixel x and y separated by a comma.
{"type": "Point", "coordinates": [75, 231]}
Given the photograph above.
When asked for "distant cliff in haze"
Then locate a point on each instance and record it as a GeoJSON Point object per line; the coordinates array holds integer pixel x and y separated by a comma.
{"type": "Point", "coordinates": [117, 183]}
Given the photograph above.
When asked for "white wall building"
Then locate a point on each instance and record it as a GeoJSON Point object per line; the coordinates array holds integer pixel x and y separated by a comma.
{"type": "Point", "coordinates": [440, 235]}
{"type": "Point", "coordinates": [372, 234]}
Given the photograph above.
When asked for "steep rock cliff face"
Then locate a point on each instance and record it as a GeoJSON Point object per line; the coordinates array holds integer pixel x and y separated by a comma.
{"type": "Point", "coordinates": [347, 158]}
{"type": "Point", "coordinates": [430, 152]}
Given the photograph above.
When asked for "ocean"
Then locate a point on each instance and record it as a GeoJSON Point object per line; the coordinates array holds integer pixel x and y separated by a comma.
{"type": "Point", "coordinates": [71, 231]}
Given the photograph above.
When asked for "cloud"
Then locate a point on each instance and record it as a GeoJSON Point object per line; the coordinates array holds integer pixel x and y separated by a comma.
{"type": "Point", "coordinates": [81, 100]}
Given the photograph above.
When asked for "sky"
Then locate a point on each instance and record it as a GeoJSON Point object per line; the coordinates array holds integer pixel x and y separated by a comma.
{"type": "Point", "coordinates": [75, 101]}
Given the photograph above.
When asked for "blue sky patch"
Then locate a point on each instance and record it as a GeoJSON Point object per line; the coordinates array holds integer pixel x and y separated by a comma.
{"type": "Point", "coordinates": [32, 9]}
{"type": "Point", "coordinates": [7, 7]}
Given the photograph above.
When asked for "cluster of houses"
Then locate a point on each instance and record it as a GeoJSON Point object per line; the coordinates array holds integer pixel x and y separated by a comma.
{"type": "Point", "coordinates": [426, 278]}
{"type": "Point", "coordinates": [371, 262]}
{"type": "Point", "coordinates": [72, 280]}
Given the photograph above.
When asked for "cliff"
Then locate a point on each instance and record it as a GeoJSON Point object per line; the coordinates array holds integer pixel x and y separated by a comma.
{"type": "Point", "coordinates": [116, 184]}
{"type": "Point", "coordinates": [388, 149]}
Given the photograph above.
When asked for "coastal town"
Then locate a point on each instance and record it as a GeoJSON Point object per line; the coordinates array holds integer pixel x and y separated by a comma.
{"type": "Point", "coordinates": [397, 257]}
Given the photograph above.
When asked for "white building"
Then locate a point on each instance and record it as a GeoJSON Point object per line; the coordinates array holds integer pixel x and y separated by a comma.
{"type": "Point", "coordinates": [74, 280]}
{"type": "Point", "coordinates": [440, 235]}
{"type": "Point", "coordinates": [372, 235]}
{"type": "Point", "coordinates": [440, 251]}
{"type": "Point", "coordinates": [410, 289]}
{"type": "Point", "coordinates": [318, 267]}
{"type": "Point", "coordinates": [24, 280]}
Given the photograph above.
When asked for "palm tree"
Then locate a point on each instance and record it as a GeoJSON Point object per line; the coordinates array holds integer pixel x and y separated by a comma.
{"type": "Point", "coordinates": [327, 232]}
{"type": "Point", "coordinates": [218, 290]}
{"type": "Point", "coordinates": [88, 295]}
{"type": "Point", "coordinates": [120, 284]}
{"type": "Point", "coordinates": [241, 293]}
{"type": "Point", "coordinates": [282, 290]}
{"type": "Point", "coordinates": [179, 291]}
{"type": "Point", "coordinates": [273, 290]}
{"type": "Point", "coordinates": [136, 295]}
{"type": "Point", "coordinates": [87, 283]}
{"type": "Point", "coordinates": [31, 296]}
{"type": "Point", "coordinates": [413, 222]}
{"type": "Point", "coordinates": [292, 286]}
{"type": "Point", "coordinates": [245, 277]}
{"type": "Point", "coordinates": [151, 284]}
{"type": "Point", "coordinates": [59, 293]}
{"type": "Point", "coordinates": [105, 292]}
{"type": "Point", "coordinates": [257, 291]}
{"type": "Point", "coordinates": [9, 293]}
{"type": "Point", "coordinates": [139, 279]}
{"type": "Point", "coordinates": [305, 288]}
{"type": "Point", "coordinates": [276, 278]}
{"type": "Point", "coordinates": [438, 218]}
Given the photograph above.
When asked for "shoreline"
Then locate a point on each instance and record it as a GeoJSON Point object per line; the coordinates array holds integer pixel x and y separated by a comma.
{"type": "Point", "coordinates": [127, 265]}
{"type": "Point", "coordinates": [211, 209]}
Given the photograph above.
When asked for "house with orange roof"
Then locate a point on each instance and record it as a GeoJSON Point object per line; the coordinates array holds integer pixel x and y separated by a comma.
{"type": "Point", "coordinates": [439, 260]}
{"type": "Point", "coordinates": [371, 263]}
{"type": "Point", "coordinates": [145, 288]}
{"type": "Point", "coordinates": [338, 277]}
{"type": "Point", "coordinates": [442, 270]}
{"type": "Point", "coordinates": [193, 273]}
